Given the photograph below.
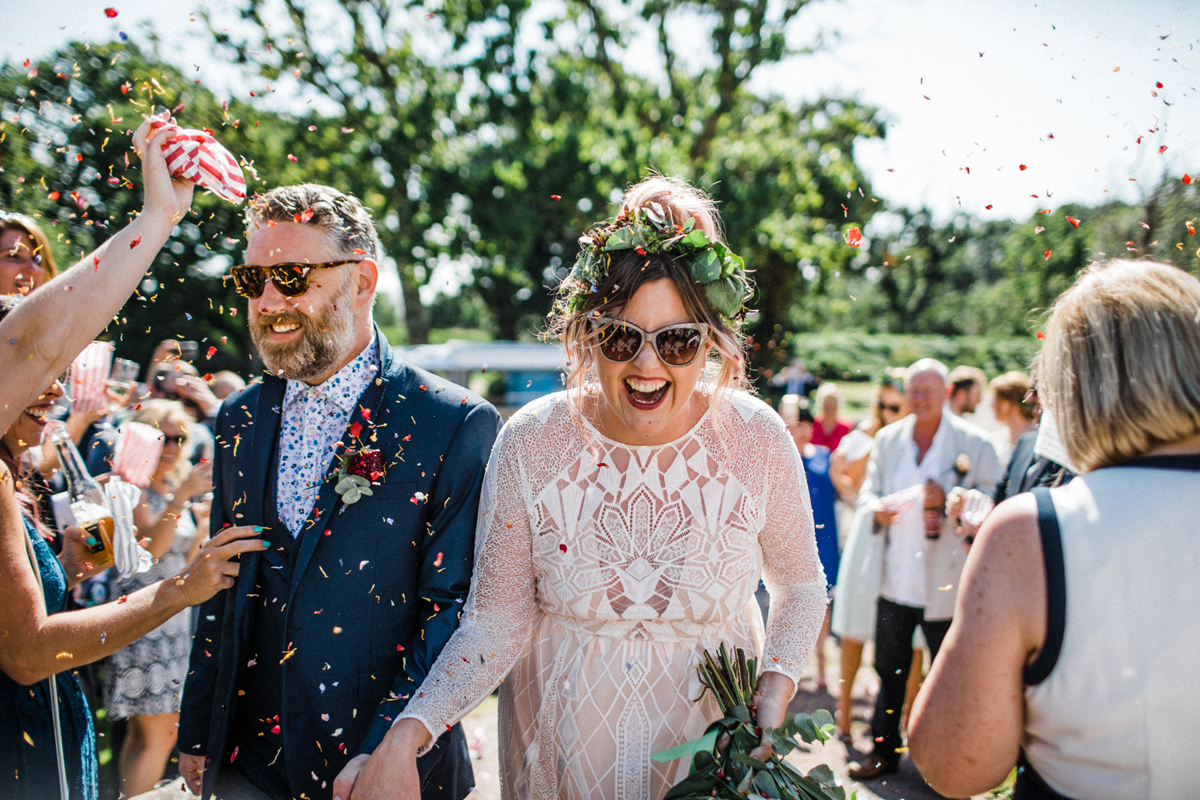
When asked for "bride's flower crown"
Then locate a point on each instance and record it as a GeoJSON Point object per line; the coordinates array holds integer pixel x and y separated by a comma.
{"type": "Point", "coordinates": [650, 231]}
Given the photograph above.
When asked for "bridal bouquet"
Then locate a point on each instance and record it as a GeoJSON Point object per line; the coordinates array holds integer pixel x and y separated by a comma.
{"type": "Point", "coordinates": [721, 763]}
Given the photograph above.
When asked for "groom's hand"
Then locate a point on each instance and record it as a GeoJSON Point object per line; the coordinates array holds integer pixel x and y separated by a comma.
{"type": "Point", "coordinates": [192, 769]}
{"type": "Point", "coordinates": [390, 773]}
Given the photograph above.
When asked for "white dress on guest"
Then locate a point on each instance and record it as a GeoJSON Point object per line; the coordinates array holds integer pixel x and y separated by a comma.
{"type": "Point", "coordinates": [603, 571]}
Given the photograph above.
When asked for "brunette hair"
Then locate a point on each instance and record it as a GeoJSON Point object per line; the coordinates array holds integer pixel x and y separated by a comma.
{"type": "Point", "coordinates": [1120, 370]}
{"type": "Point", "coordinates": [343, 217]}
{"type": "Point", "coordinates": [680, 201]}
{"type": "Point", "coordinates": [1012, 387]}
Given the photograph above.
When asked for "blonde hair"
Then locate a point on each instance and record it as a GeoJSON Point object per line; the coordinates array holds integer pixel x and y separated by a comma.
{"type": "Point", "coordinates": [1120, 368]}
{"type": "Point", "coordinates": [726, 367]}
{"type": "Point", "coordinates": [28, 226]}
{"type": "Point", "coordinates": [154, 413]}
{"type": "Point", "coordinates": [826, 390]}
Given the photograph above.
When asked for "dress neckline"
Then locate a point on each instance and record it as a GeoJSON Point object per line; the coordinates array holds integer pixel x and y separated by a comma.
{"type": "Point", "coordinates": [686, 435]}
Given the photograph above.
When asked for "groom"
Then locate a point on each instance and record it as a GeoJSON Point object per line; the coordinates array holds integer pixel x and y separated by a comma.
{"type": "Point", "coordinates": [365, 473]}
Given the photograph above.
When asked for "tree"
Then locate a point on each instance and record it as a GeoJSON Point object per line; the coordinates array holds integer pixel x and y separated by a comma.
{"type": "Point", "coordinates": [522, 123]}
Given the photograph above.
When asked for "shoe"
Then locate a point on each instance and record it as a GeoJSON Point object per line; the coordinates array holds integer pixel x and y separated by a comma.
{"type": "Point", "coordinates": [872, 767]}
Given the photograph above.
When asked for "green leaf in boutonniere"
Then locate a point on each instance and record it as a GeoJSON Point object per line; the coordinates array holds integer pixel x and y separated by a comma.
{"type": "Point", "coordinates": [360, 469]}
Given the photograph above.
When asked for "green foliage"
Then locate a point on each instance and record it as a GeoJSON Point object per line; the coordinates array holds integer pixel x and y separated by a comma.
{"type": "Point", "coordinates": [721, 762]}
{"type": "Point", "coordinates": [855, 355]}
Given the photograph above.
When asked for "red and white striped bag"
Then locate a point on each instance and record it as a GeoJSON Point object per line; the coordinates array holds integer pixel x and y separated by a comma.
{"type": "Point", "coordinates": [87, 378]}
{"type": "Point", "coordinates": [196, 156]}
{"type": "Point", "coordinates": [136, 455]}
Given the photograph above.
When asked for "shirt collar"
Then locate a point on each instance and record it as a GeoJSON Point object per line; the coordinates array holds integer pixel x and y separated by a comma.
{"type": "Point", "coordinates": [343, 387]}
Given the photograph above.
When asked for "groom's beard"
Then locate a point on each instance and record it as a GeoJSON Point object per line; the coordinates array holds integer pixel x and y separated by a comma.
{"type": "Point", "coordinates": [324, 341]}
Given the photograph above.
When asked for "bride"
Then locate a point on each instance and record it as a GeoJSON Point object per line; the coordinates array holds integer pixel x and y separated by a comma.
{"type": "Point", "coordinates": [623, 528]}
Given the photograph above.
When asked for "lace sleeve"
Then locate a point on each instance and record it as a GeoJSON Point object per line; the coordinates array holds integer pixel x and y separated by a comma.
{"type": "Point", "coordinates": [791, 568]}
{"type": "Point", "coordinates": [497, 615]}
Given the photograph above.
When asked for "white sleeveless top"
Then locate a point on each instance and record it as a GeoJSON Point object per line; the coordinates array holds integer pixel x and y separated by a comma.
{"type": "Point", "coordinates": [1118, 717]}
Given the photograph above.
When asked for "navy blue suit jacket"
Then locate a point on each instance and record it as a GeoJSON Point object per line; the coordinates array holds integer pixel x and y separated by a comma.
{"type": "Point", "coordinates": [377, 587]}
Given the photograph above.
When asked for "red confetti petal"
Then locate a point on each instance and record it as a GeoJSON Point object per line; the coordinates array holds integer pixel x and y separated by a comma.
{"type": "Point", "coordinates": [1158, 85]}
{"type": "Point", "coordinates": [366, 412]}
{"type": "Point", "coordinates": [212, 351]}
{"type": "Point", "coordinates": [1074, 222]}
{"type": "Point", "coordinates": [1047, 254]}
{"type": "Point", "coordinates": [854, 237]}
{"type": "Point", "coordinates": [1187, 178]}
{"type": "Point", "coordinates": [355, 429]}
{"type": "Point", "coordinates": [135, 243]}
{"type": "Point", "coordinates": [1041, 335]}
{"type": "Point", "coordinates": [275, 729]}
{"type": "Point", "coordinates": [437, 562]}
{"type": "Point", "coordinates": [291, 157]}
{"type": "Point", "coordinates": [233, 755]}
{"type": "Point", "coordinates": [556, 197]}
{"type": "Point", "coordinates": [989, 208]}
{"type": "Point", "coordinates": [1162, 149]}
{"type": "Point", "coordinates": [1023, 167]}
{"type": "Point", "coordinates": [358, 251]}
{"type": "Point", "coordinates": [53, 195]}
{"type": "Point", "coordinates": [562, 547]}
{"type": "Point", "coordinates": [110, 12]}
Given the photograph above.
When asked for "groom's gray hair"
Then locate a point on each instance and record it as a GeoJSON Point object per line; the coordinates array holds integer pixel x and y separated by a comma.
{"type": "Point", "coordinates": [342, 216]}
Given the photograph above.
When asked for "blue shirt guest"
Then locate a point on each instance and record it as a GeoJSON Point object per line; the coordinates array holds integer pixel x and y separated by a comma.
{"type": "Point", "coordinates": [366, 474]}
{"type": "Point", "coordinates": [816, 459]}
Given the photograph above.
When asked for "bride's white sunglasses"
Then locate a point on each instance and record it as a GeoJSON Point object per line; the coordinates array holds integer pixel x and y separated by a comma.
{"type": "Point", "coordinates": [676, 345]}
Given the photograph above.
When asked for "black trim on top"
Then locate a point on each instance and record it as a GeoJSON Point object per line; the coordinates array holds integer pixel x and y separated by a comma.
{"type": "Point", "coordinates": [1030, 785]}
{"type": "Point", "coordinates": [1056, 589]}
{"type": "Point", "coordinates": [1188, 461]}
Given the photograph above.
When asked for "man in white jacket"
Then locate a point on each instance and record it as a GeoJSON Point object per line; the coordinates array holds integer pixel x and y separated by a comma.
{"type": "Point", "coordinates": [915, 463]}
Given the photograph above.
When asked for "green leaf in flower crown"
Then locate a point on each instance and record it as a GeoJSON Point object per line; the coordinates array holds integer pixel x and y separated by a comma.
{"type": "Point", "coordinates": [695, 238]}
{"type": "Point", "coordinates": [654, 213]}
{"type": "Point", "coordinates": [621, 239]}
{"type": "Point", "coordinates": [706, 266]}
{"type": "Point", "coordinates": [726, 295]}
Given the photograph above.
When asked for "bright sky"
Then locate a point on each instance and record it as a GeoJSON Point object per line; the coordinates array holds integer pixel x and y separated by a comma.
{"type": "Point", "coordinates": [1064, 87]}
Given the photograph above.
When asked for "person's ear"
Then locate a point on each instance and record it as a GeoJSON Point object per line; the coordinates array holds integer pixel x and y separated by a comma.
{"type": "Point", "coordinates": [366, 276]}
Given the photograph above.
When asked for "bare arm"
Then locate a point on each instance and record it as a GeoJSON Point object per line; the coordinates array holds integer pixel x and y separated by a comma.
{"type": "Point", "coordinates": [38, 645]}
{"type": "Point", "coordinates": [46, 331]}
{"type": "Point", "coordinates": [967, 721]}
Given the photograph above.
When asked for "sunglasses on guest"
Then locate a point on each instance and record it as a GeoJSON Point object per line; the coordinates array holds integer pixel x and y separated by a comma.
{"type": "Point", "coordinates": [895, 409]}
{"type": "Point", "coordinates": [290, 278]}
{"type": "Point", "coordinates": [676, 345]}
{"type": "Point", "coordinates": [177, 440]}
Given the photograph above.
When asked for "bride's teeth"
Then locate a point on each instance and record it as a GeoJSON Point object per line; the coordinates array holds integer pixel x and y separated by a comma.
{"type": "Point", "coordinates": [646, 386]}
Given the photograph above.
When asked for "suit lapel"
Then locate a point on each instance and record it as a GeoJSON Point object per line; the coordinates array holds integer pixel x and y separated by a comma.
{"type": "Point", "coordinates": [328, 501]}
{"type": "Point", "coordinates": [263, 433]}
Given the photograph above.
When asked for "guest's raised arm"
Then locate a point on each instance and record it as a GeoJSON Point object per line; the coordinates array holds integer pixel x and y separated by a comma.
{"type": "Point", "coordinates": [44, 333]}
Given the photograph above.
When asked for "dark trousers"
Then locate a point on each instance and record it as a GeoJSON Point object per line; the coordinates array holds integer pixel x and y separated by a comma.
{"type": "Point", "coordinates": [894, 628]}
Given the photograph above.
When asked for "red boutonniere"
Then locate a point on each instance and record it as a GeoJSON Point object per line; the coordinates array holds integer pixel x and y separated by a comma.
{"type": "Point", "coordinates": [360, 470]}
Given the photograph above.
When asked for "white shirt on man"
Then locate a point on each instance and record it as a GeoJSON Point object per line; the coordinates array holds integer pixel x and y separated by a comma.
{"type": "Point", "coordinates": [904, 558]}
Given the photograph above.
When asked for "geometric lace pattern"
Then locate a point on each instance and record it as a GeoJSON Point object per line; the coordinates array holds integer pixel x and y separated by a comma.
{"type": "Point", "coordinates": [603, 571]}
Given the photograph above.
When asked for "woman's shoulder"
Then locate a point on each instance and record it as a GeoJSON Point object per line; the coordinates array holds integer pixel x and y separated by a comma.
{"type": "Point", "coordinates": [754, 410]}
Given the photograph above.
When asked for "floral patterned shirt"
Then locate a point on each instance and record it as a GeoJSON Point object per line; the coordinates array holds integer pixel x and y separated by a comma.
{"type": "Point", "coordinates": [314, 420]}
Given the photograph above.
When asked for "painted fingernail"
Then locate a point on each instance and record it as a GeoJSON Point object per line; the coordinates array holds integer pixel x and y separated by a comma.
{"type": "Point", "coordinates": [91, 541]}
{"type": "Point", "coordinates": [266, 544]}
{"type": "Point", "coordinates": [258, 528]}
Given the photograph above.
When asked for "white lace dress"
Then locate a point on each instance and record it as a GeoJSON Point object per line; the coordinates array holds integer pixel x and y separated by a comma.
{"type": "Point", "coordinates": [603, 572]}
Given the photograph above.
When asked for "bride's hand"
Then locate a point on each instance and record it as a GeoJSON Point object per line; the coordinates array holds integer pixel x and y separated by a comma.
{"type": "Point", "coordinates": [775, 691]}
{"type": "Point", "coordinates": [390, 773]}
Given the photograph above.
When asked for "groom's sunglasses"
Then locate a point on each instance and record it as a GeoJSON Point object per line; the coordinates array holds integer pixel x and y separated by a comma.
{"type": "Point", "coordinates": [677, 345]}
{"type": "Point", "coordinates": [290, 277]}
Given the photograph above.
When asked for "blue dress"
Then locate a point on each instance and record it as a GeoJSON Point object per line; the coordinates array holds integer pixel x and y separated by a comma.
{"type": "Point", "coordinates": [28, 766]}
{"type": "Point", "coordinates": [822, 493]}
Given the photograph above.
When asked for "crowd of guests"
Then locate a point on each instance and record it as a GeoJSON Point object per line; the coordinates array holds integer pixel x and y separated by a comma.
{"type": "Point", "coordinates": [620, 528]}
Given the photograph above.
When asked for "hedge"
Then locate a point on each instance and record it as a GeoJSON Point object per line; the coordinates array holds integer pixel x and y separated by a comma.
{"type": "Point", "coordinates": [850, 355]}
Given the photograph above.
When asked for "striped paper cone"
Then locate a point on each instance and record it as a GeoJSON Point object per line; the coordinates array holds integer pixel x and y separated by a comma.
{"type": "Point", "coordinates": [137, 451]}
{"type": "Point", "coordinates": [196, 156]}
{"type": "Point", "coordinates": [88, 378]}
